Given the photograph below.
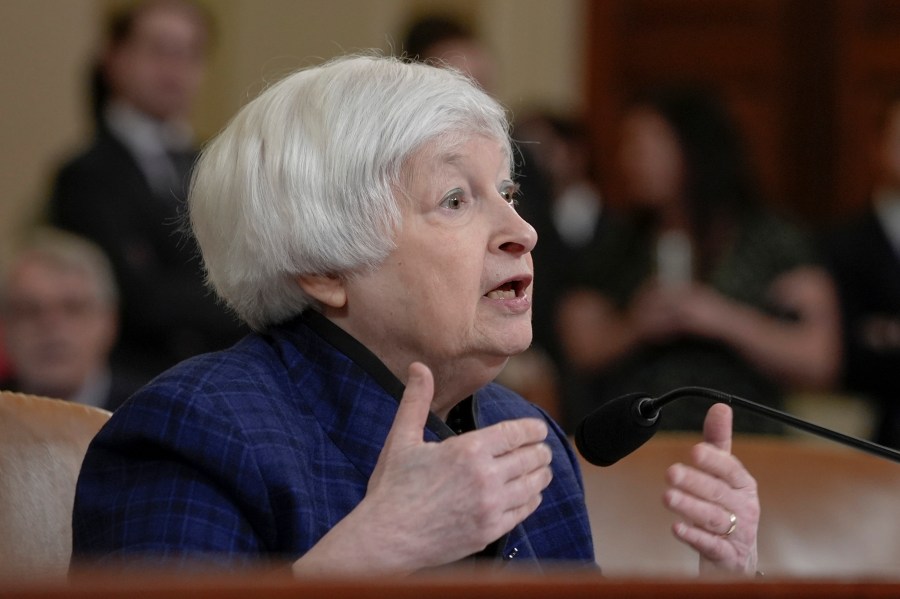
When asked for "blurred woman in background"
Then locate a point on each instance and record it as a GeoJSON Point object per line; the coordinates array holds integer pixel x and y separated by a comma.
{"type": "Point", "coordinates": [701, 285]}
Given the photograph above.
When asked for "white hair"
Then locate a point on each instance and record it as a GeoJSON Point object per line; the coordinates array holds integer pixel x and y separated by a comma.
{"type": "Point", "coordinates": [302, 181]}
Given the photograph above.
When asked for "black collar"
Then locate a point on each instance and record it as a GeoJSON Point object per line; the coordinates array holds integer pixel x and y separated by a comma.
{"type": "Point", "coordinates": [461, 416]}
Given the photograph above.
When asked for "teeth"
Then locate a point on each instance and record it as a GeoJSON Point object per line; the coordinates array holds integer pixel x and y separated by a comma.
{"type": "Point", "coordinates": [502, 294]}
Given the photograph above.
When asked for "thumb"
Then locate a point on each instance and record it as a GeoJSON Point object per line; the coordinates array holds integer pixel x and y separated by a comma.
{"type": "Point", "coordinates": [717, 426]}
{"type": "Point", "coordinates": [414, 406]}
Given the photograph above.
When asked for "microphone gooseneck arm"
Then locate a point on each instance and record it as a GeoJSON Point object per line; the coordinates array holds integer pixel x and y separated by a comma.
{"type": "Point", "coordinates": [650, 408]}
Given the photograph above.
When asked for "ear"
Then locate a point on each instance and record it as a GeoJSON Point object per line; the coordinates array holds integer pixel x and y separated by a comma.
{"type": "Point", "coordinates": [329, 290]}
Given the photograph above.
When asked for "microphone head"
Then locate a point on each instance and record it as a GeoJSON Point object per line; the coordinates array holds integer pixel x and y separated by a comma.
{"type": "Point", "coordinates": [615, 429]}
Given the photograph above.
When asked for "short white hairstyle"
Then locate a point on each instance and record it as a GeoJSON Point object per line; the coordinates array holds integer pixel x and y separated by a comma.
{"type": "Point", "coordinates": [302, 181]}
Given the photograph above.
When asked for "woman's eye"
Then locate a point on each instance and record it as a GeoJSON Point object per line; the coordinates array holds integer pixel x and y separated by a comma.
{"type": "Point", "coordinates": [510, 194]}
{"type": "Point", "coordinates": [453, 200]}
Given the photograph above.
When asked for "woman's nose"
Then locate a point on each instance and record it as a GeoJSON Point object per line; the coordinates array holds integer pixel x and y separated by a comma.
{"type": "Point", "coordinates": [516, 235]}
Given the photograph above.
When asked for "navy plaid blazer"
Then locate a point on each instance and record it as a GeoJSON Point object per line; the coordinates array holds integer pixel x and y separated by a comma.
{"type": "Point", "coordinates": [257, 451]}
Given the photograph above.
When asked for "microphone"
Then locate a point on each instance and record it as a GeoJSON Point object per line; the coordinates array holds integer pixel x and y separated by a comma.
{"type": "Point", "coordinates": [620, 426]}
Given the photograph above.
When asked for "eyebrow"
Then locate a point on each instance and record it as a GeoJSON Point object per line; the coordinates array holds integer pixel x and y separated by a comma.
{"type": "Point", "coordinates": [452, 158]}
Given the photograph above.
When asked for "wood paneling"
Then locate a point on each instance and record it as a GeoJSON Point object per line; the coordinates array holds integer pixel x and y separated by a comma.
{"type": "Point", "coordinates": [449, 583]}
{"type": "Point", "coordinates": [805, 79]}
{"type": "Point", "coordinates": [867, 77]}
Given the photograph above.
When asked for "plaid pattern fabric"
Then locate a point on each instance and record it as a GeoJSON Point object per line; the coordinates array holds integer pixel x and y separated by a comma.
{"type": "Point", "coordinates": [257, 451]}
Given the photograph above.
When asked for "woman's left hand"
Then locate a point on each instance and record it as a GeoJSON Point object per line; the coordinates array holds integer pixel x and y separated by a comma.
{"type": "Point", "coordinates": [716, 499]}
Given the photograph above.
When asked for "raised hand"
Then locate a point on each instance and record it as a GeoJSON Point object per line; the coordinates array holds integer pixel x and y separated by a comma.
{"type": "Point", "coordinates": [716, 500]}
{"type": "Point", "coordinates": [429, 504]}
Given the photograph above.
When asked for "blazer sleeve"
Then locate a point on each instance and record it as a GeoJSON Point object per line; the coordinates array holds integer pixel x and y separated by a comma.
{"type": "Point", "coordinates": [169, 481]}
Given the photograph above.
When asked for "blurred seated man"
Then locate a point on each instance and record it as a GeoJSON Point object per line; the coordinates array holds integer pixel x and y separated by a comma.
{"type": "Point", "coordinates": [59, 305]}
{"type": "Point", "coordinates": [864, 258]}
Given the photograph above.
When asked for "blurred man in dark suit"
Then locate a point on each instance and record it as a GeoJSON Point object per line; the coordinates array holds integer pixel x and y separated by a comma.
{"type": "Point", "coordinates": [126, 190]}
{"type": "Point", "coordinates": [864, 258]}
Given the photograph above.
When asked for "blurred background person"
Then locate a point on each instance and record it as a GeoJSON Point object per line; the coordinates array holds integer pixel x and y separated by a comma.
{"type": "Point", "coordinates": [864, 259]}
{"type": "Point", "coordinates": [700, 285]}
{"type": "Point", "coordinates": [561, 149]}
{"type": "Point", "coordinates": [570, 218]}
{"type": "Point", "coordinates": [443, 40]}
{"type": "Point", "coordinates": [59, 302]}
{"type": "Point", "coordinates": [126, 190]}
{"type": "Point", "coordinates": [447, 40]}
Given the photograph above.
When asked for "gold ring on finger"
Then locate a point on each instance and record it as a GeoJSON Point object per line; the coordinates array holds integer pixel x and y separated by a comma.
{"type": "Point", "coordinates": [733, 520]}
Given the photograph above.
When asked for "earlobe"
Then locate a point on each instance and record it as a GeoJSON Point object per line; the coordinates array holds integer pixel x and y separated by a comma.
{"type": "Point", "coordinates": [328, 290]}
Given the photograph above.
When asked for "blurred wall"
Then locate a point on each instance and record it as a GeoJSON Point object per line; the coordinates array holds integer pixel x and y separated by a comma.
{"type": "Point", "coordinates": [43, 49]}
{"type": "Point", "coordinates": [47, 46]}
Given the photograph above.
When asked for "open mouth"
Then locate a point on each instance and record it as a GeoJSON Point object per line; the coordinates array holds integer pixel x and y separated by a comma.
{"type": "Point", "coordinates": [508, 290]}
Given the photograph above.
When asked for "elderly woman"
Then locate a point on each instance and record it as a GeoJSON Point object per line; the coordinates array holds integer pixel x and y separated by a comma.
{"type": "Point", "coordinates": [360, 217]}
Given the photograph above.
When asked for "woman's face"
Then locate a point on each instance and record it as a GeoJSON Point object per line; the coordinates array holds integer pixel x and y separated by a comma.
{"type": "Point", "coordinates": [456, 292]}
{"type": "Point", "coordinates": [58, 327]}
{"type": "Point", "coordinates": [650, 159]}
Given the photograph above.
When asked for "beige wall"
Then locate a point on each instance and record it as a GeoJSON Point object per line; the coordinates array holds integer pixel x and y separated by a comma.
{"type": "Point", "coordinates": [45, 46]}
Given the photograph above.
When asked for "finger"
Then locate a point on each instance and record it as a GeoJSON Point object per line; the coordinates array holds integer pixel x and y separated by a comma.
{"type": "Point", "coordinates": [414, 406]}
{"type": "Point", "coordinates": [702, 485]}
{"type": "Point", "coordinates": [515, 515]}
{"type": "Point", "coordinates": [725, 466]}
{"type": "Point", "coordinates": [709, 545]}
{"type": "Point", "coordinates": [717, 427]}
{"type": "Point", "coordinates": [719, 479]}
{"type": "Point", "coordinates": [711, 517]}
{"type": "Point", "coordinates": [520, 490]}
{"type": "Point", "coordinates": [503, 437]}
{"type": "Point", "coordinates": [523, 460]}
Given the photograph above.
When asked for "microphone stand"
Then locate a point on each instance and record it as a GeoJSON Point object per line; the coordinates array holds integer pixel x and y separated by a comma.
{"type": "Point", "coordinates": [719, 396]}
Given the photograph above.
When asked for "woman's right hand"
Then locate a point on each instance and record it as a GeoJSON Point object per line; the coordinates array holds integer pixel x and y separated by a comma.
{"type": "Point", "coordinates": [430, 504]}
